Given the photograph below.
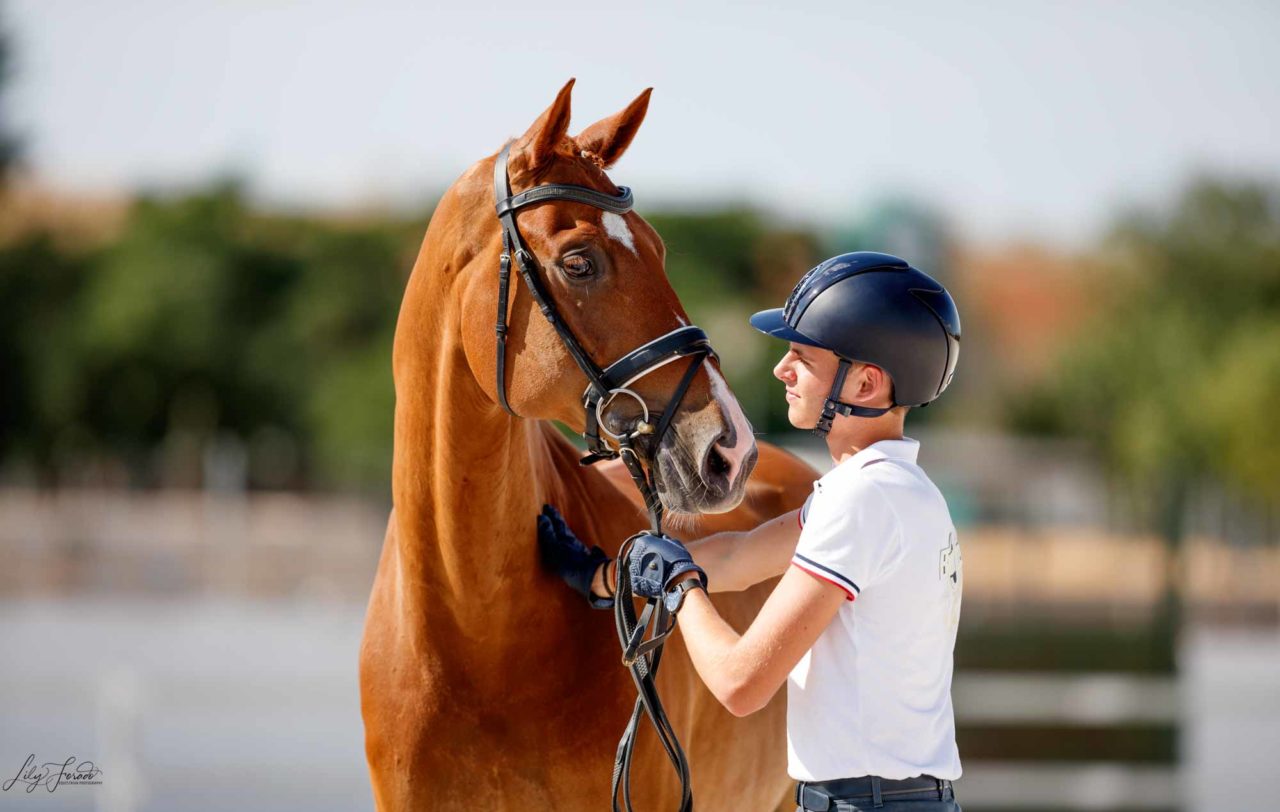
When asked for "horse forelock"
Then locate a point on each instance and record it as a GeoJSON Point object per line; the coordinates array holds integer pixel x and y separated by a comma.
{"type": "Point", "coordinates": [571, 164]}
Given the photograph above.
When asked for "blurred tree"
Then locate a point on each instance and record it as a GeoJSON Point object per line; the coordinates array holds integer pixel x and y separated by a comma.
{"type": "Point", "coordinates": [1175, 379]}
{"type": "Point", "coordinates": [203, 330]}
{"type": "Point", "coordinates": [40, 357]}
{"type": "Point", "coordinates": [903, 226]}
{"type": "Point", "coordinates": [725, 265]}
{"type": "Point", "coordinates": [341, 323]}
{"type": "Point", "coordinates": [709, 254]}
{"type": "Point", "coordinates": [719, 263]}
{"type": "Point", "coordinates": [203, 324]}
{"type": "Point", "coordinates": [168, 323]}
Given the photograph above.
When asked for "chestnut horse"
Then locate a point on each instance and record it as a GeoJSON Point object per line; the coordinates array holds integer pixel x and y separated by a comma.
{"type": "Point", "coordinates": [486, 683]}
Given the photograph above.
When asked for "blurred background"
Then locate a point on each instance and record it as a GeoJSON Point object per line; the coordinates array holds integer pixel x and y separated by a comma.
{"type": "Point", "coordinates": [208, 212]}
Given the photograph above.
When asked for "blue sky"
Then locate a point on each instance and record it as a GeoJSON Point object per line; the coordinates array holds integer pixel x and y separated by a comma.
{"type": "Point", "coordinates": [1016, 119]}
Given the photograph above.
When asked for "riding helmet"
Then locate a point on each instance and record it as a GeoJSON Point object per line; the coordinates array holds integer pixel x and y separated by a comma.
{"type": "Point", "coordinates": [877, 309]}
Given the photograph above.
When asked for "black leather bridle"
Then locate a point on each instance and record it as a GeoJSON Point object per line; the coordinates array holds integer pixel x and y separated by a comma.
{"type": "Point", "coordinates": [603, 385]}
{"type": "Point", "coordinates": [641, 656]}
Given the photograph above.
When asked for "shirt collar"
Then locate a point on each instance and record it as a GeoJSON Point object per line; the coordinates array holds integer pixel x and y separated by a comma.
{"type": "Point", "coordinates": [905, 449]}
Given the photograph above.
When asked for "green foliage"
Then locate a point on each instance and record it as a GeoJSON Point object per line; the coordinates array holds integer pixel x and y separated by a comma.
{"type": "Point", "coordinates": [725, 265]}
{"type": "Point", "coordinates": [709, 255]}
{"type": "Point", "coordinates": [40, 353]}
{"type": "Point", "coordinates": [1178, 375]}
{"type": "Point", "coordinates": [205, 322]}
{"type": "Point", "coordinates": [205, 319]}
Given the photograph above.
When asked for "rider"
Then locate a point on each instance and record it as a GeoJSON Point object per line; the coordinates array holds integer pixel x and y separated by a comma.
{"type": "Point", "coordinates": [862, 625]}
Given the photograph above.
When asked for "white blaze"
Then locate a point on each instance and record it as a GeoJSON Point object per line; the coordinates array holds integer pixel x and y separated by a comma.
{"type": "Point", "coordinates": [617, 228]}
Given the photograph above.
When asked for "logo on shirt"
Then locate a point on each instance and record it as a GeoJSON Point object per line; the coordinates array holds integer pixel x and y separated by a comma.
{"type": "Point", "coordinates": [950, 569]}
{"type": "Point", "coordinates": [950, 560]}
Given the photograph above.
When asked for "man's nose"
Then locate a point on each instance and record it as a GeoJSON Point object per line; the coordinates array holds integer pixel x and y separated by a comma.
{"type": "Point", "coordinates": [781, 370]}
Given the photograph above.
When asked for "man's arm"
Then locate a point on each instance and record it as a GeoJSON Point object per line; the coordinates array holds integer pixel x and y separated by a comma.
{"type": "Point", "coordinates": [738, 560]}
{"type": "Point", "coordinates": [744, 672]}
{"type": "Point", "coordinates": [733, 560]}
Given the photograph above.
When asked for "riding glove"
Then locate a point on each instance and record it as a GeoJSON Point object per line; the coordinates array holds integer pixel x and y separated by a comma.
{"type": "Point", "coordinates": [654, 562]}
{"type": "Point", "coordinates": [566, 556]}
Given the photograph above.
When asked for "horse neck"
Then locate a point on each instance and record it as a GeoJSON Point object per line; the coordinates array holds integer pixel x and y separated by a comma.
{"type": "Point", "coordinates": [468, 479]}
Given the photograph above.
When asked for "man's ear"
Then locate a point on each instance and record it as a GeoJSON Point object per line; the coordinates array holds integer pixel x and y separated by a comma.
{"type": "Point", "coordinates": [879, 385]}
{"type": "Point", "coordinates": [864, 383]}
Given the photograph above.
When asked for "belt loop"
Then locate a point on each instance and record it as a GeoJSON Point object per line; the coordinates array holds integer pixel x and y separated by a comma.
{"type": "Point", "coordinates": [941, 789]}
{"type": "Point", "coordinates": [876, 798]}
{"type": "Point", "coordinates": [800, 794]}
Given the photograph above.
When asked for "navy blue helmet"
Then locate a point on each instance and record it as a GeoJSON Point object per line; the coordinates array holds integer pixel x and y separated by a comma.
{"type": "Point", "coordinates": [877, 309]}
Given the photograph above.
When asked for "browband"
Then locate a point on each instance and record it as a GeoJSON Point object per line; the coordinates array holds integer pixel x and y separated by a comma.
{"type": "Point", "coordinates": [618, 204]}
{"type": "Point", "coordinates": [507, 203]}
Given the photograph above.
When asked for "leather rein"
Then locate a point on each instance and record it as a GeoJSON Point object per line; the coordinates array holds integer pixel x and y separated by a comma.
{"type": "Point", "coordinates": [641, 655]}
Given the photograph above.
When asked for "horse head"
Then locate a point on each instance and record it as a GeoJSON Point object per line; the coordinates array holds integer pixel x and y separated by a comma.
{"type": "Point", "coordinates": [604, 275]}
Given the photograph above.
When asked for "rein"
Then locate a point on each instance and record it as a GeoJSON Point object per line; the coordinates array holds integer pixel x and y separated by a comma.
{"type": "Point", "coordinates": [641, 656]}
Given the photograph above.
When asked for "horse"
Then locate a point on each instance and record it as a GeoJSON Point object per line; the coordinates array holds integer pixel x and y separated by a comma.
{"type": "Point", "coordinates": [485, 683]}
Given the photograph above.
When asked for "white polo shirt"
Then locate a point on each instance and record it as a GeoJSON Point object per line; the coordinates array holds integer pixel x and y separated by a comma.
{"type": "Point", "coordinates": [873, 695]}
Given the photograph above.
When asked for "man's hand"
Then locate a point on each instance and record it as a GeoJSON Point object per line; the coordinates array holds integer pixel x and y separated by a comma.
{"type": "Point", "coordinates": [656, 564]}
{"type": "Point", "coordinates": [566, 556]}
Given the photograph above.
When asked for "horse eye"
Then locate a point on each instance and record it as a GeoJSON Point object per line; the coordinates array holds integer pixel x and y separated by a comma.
{"type": "Point", "coordinates": [577, 266]}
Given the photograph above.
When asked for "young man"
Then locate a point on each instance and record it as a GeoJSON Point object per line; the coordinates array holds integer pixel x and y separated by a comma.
{"type": "Point", "coordinates": [862, 625]}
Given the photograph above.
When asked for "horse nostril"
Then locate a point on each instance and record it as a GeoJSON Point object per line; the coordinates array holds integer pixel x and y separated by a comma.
{"type": "Point", "coordinates": [717, 465]}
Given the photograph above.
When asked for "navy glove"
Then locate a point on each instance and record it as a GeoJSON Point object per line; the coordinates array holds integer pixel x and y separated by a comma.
{"type": "Point", "coordinates": [566, 556]}
{"type": "Point", "coordinates": [654, 562]}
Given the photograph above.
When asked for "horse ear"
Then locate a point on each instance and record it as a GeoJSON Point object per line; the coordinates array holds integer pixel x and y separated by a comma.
{"type": "Point", "coordinates": [538, 145]}
{"type": "Point", "coordinates": [609, 137]}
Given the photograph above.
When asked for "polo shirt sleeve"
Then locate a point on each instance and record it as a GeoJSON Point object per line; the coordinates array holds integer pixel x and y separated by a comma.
{"type": "Point", "coordinates": [849, 537]}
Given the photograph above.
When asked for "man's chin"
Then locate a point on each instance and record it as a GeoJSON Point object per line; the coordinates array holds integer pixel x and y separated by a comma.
{"type": "Point", "coordinates": [799, 420]}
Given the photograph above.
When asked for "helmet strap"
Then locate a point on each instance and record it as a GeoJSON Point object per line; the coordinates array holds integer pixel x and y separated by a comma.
{"type": "Point", "coordinates": [834, 406]}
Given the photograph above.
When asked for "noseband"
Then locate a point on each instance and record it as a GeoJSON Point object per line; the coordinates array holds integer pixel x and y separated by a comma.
{"type": "Point", "coordinates": [603, 385]}
{"type": "Point", "coordinates": [641, 657]}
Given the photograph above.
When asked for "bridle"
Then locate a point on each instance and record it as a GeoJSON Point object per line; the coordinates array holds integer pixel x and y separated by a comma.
{"type": "Point", "coordinates": [603, 385]}
{"type": "Point", "coordinates": [641, 656]}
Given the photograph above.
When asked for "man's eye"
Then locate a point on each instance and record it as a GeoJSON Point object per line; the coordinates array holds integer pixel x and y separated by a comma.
{"type": "Point", "coordinates": [577, 266]}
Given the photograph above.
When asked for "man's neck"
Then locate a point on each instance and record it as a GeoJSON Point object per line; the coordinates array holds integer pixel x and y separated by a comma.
{"type": "Point", "coordinates": [860, 432]}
